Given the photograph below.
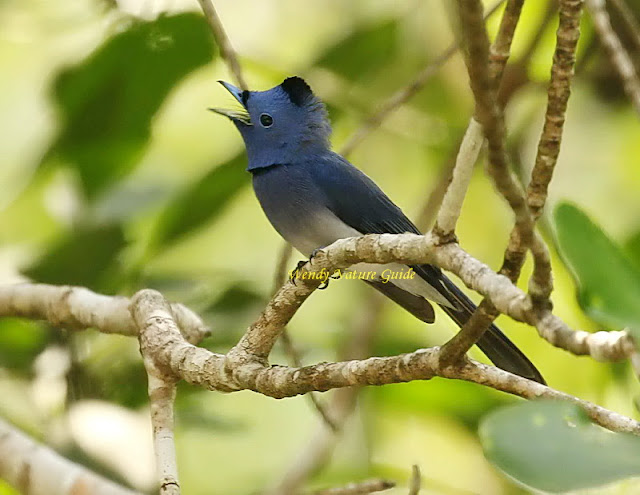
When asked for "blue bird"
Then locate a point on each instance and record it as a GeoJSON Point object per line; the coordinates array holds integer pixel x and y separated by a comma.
{"type": "Point", "coordinates": [313, 196]}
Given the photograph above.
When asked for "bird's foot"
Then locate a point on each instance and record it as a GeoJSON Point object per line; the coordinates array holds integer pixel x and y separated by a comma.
{"type": "Point", "coordinates": [293, 275]}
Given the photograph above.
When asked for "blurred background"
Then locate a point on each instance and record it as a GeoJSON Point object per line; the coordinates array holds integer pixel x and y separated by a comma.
{"type": "Point", "coordinates": [116, 177]}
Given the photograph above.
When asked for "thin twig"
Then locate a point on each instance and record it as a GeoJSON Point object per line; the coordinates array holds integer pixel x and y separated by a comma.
{"type": "Point", "coordinates": [453, 199]}
{"type": "Point", "coordinates": [162, 394]}
{"type": "Point", "coordinates": [416, 480]}
{"type": "Point", "coordinates": [484, 79]}
{"type": "Point", "coordinates": [559, 91]}
{"type": "Point", "coordinates": [429, 210]}
{"type": "Point", "coordinates": [558, 94]}
{"type": "Point", "coordinates": [472, 142]}
{"type": "Point", "coordinates": [316, 451]}
{"type": "Point", "coordinates": [359, 488]}
{"type": "Point", "coordinates": [405, 93]}
{"type": "Point", "coordinates": [617, 53]}
{"type": "Point", "coordinates": [629, 19]}
{"type": "Point", "coordinates": [226, 49]}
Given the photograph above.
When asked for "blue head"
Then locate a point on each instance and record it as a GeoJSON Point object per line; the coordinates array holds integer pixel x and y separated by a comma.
{"type": "Point", "coordinates": [279, 125]}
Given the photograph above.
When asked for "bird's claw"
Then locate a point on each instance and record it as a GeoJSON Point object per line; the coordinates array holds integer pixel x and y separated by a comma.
{"type": "Point", "coordinates": [296, 270]}
{"type": "Point", "coordinates": [301, 263]}
{"type": "Point", "coordinates": [315, 253]}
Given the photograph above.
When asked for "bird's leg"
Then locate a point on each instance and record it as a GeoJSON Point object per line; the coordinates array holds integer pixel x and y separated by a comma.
{"type": "Point", "coordinates": [325, 280]}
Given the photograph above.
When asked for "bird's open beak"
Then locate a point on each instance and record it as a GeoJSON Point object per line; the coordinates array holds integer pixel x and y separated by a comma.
{"type": "Point", "coordinates": [238, 115]}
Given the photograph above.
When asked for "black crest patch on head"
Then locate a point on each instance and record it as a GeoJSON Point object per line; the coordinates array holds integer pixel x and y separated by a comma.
{"type": "Point", "coordinates": [245, 97]}
{"type": "Point", "coordinates": [297, 90]}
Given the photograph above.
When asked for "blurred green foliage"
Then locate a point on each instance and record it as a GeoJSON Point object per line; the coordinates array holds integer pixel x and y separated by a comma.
{"type": "Point", "coordinates": [199, 203]}
{"type": "Point", "coordinates": [554, 447]}
{"type": "Point", "coordinates": [86, 256]}
{"type": "Point", "coordinates": [361, 54]}
{"type": "Point", "coordinates": [116, 177]}
{"type": "Point", "coordinates": [608, 282]}
{"type": "Point", "coordinates": [107, 102]}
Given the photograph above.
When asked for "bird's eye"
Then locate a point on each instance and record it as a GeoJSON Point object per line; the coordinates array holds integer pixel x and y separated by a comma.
{"type": "Point", "coordinates": [266, 120]}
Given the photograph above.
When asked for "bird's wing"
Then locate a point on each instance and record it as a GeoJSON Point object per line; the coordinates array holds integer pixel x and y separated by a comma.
{"type": "Point", "coordinates": [356, 200]}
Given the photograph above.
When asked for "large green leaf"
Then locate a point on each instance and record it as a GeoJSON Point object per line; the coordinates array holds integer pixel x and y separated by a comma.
{"type": "Point", "coordinates": [85, 257]}
{"type": "Point", "coordinates": [199, 203]}
{"type": "Point", "coordinates": [552, 446]}
{"type": "Point", "coordinates": [107, 101]}
{"type": "Point", "coordinates": [365, 50]}
{"type": "Point", "coordinates": [608, 282]}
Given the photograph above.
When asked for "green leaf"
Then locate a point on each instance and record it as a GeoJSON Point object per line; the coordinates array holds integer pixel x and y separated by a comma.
{"type": "Point", "coordinates": [200, 202]}
{"type": "Point", "coordinates": [107, 102]}
{"type": "Point", "coordinates": [608, 282]}
{"type": "Point", "coordinates": [85, 257]}
{"type": "Point", "coordinates": [552, 446]}
{"type": "Point", "coordinates": [364, 51]}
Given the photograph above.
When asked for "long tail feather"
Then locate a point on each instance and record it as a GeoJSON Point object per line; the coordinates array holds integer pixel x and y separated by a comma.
{"type": "Point", "coordinates": [493, 343]}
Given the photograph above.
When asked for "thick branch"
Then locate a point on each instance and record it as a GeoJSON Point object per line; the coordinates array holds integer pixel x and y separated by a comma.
{"type": "Point", "coordinates": [201, 367]}
{"type": "Point", "coordinates": [242, 369]}
{"type": "Point", "coordinates": [77, 308]}
{"type": "Point", "coordinates": [34, 469]}
{"type": "Point", "coordinates": [279, 278]}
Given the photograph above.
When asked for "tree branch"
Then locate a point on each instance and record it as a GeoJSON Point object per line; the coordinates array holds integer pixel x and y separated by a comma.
{"type": "Point", "coordinates": [77, 308]}
{"type": "Point", "coordinates": [523, 234]}
{"type": "Point", "coordinates": [224, 43]}
{"type": "Point", "coordinates": [279, 278]}
{"type": "Point", "coordinates": [416, 480]}
{"type": "Point", "coordinates": [246, 367]}
{"type": "Point", "coordinates": [472, 142]}
{"type": "Point", "coordinates": [405, 93]}
{"type": "Point", "coordinates": [150, 317]}
{"type": "Point", "coordinates": [215, 371]}
{"type": "Point", "coordinates": [316, 450]}
{"type": "Point", "coordinates": [34, 469]}
{"type": "Point", "coordinates": [617, 53]}
{"type": "Point", "coordinates": [359, 488]}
